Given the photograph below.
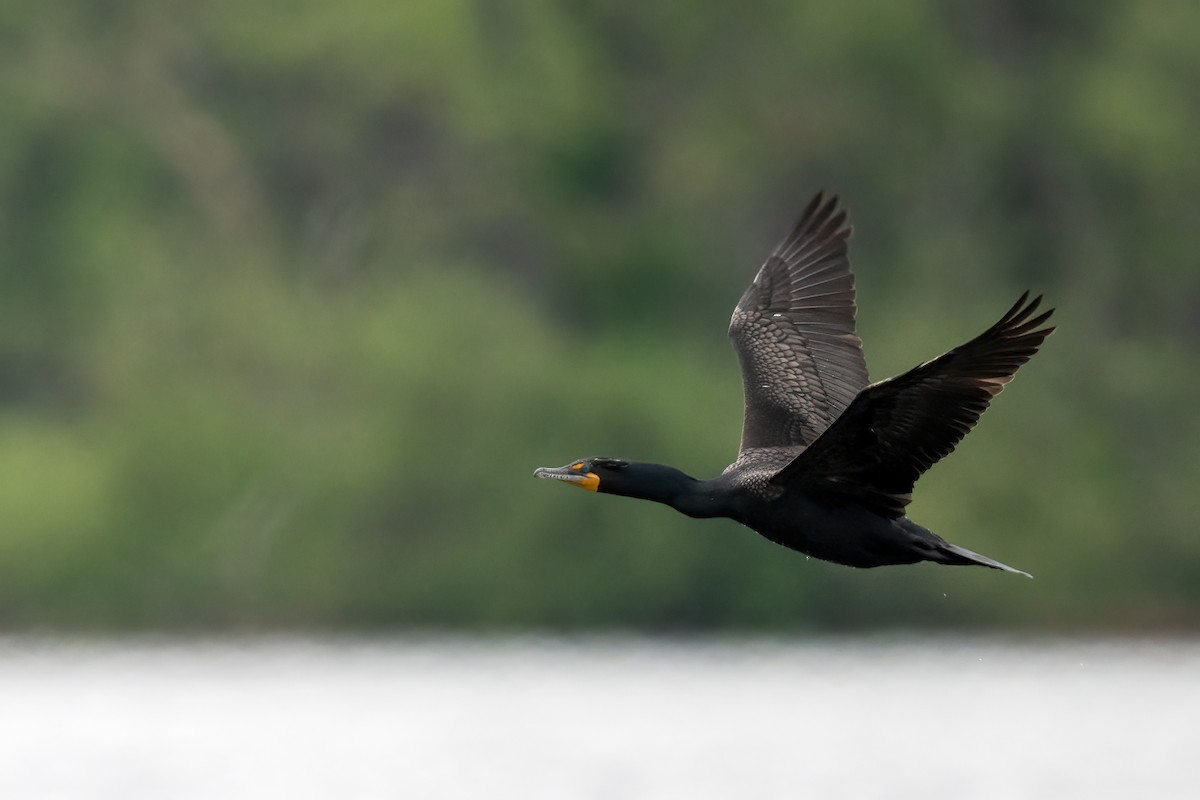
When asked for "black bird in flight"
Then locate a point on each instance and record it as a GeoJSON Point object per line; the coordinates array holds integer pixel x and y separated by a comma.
{"type": "Point", "coordinates": [827, 462]}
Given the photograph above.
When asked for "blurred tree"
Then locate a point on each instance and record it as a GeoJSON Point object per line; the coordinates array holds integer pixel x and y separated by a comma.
{"type": "Point", "coordinates": [294, 296]}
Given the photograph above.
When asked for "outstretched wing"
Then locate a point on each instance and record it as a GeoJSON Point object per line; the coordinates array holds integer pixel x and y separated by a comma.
{"type": "Point", "coordinates": [793, 331]}
{"type": "Point", "coordinates": [898, 428]}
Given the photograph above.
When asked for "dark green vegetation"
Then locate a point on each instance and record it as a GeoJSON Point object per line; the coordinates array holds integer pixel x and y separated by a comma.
{"type": "Point", "coordinates": [293, 296]}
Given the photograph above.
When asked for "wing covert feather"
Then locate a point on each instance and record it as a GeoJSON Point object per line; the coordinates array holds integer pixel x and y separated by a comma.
{"type": "Point", "coordinates": [793, 330]}
{"type": "Point", "coordinates": [896, 429]}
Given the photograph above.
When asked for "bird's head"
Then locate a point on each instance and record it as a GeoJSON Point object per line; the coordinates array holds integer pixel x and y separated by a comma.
{"type": "Point", "coordinates": [598, 474]}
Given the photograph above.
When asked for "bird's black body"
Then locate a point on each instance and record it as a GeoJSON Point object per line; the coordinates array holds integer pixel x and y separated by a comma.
{"type": "Point", "coordinates": [827, 462]}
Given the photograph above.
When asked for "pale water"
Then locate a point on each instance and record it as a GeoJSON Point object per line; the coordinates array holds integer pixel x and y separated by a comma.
{"type": "Point", "coordinates": [603, 719]}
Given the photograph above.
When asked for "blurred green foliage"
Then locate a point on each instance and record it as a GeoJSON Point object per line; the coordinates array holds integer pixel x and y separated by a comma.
{"type": "Point", "coordinates": [294, 296]}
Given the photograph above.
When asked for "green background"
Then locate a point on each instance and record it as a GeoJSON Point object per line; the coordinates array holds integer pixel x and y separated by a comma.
{"type": "Point", "coordinates": [294, 297]}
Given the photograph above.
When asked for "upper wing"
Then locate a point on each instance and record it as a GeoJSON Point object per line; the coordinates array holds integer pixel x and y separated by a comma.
{"type": "Point", "coordinates": [898, 428]}
{"type": "Point", "coordinates": [793, 331]}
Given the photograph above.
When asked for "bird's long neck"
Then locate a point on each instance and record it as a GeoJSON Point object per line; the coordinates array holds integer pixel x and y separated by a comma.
{"type": "Point", "coordinates": [663, 484]}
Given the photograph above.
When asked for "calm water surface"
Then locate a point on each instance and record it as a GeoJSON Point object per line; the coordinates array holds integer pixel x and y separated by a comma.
{"type": "Point", "coordinates": [604, 719]}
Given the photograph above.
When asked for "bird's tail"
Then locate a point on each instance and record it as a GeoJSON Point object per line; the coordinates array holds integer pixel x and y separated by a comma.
{"type": "Point", "coordinates": [953, 554]}
{"type": "Point", "coordinates": [935, 548]}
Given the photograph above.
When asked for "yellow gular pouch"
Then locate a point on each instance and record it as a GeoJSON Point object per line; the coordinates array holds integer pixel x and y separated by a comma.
{"type": "Point", "coordinates": [589, 481]}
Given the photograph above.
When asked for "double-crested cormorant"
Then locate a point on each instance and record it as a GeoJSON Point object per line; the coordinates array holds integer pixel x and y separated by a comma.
{"type": "Point", "coordinates": [827, 462]}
